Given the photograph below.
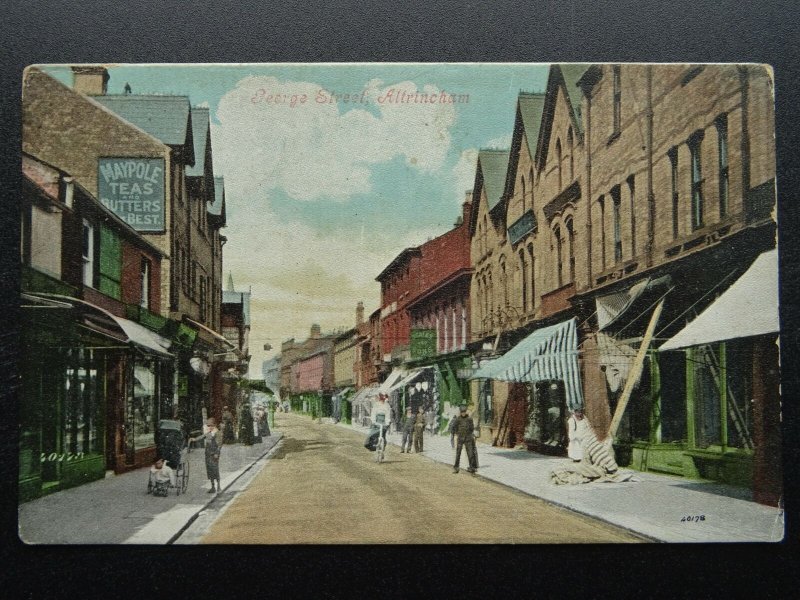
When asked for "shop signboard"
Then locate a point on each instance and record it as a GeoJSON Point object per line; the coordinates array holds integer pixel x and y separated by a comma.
{"type": "Point", "coordinates": [133, 189]}
{"type": "Point", "coordinates": [423, 343]}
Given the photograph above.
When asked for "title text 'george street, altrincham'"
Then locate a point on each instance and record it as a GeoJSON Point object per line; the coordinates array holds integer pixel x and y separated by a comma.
{"type": "Point", "coordinates": [388, 96]}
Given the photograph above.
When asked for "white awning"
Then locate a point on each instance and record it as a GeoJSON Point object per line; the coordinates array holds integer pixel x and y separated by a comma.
{"type": "Point", "coordinates": [748, 308]}
{"type": "Point", "coordinates": [550, 353]}
{"type": "Point", "coordinates": [393, 378]}
{"type": "Point", "coordinates": [410, 378]}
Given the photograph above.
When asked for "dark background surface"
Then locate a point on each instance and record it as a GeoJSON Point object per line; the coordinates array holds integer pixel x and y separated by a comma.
{"type": "Point", "coordinates": [46, 31]}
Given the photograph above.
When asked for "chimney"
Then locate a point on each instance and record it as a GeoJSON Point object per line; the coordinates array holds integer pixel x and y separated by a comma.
{"type": "Point", "coordinates": [91, 81]}
{"type": "Point", "coordinates": [467, 206]}
{"type": "Point", "coordinates": [315, 332]}
{"type": "Point", "coordinates": [359, 313]}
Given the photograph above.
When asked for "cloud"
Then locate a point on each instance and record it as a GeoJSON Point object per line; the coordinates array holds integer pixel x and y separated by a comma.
{"type": "Point", "coordinates": [277, 134]}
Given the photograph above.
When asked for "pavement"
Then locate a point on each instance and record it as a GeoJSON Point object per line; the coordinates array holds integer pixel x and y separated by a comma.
{"type": "Point", "coordinates": [118, 509]}
{"type": "Point", "coordinates": [662, 508]}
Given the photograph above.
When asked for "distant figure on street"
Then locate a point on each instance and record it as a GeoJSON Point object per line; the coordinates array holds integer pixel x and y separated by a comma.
{"type": "Point", "coordinates": [228, 436]}
{"type": "Point", "coordinates": [463, 428]}
{"type": "Point", "coordinates": [419, 429]}
{"type": "Point", "coordinates": [246, 425]}
{"type": "Point", "coordinates": [408, 431]}
{"type": "Point", "coordinates": [213, 446]}
{"type": "Point", "coordinates": [576, 431]}
{"type": "Point", "coordinates": [162, 477]}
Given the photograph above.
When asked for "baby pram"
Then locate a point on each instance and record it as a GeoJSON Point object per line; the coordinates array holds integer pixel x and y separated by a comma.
{"type": "Point", "coordinates": [171, 444]}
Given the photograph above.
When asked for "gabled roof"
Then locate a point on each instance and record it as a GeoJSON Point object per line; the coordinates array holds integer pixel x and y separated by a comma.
{"type": "Point", "coordinates": [243, 298]}
{"type": "Point", "coordinates": [528, 120]}
{"type": "Point", "coordinates": [167, 118]}
{"type": "Point", "coordinates": [200, 136]}
{"type": "Point", "coordinates": [490, 172]}
{"type": "Point", "coordinates": [568, 77]}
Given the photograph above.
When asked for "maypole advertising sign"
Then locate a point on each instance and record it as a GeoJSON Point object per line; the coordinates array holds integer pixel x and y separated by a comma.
{"type": "Point", "coordinates": [133, 189]}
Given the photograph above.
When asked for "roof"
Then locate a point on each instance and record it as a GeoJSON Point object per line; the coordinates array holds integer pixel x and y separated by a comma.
{"type": "Point", "coordinates": [200, 131]}
{"type": "Point", "coordinates": [167, 118]}
{"type": "Point", "coordinates": [398, 260]}
{"type": "Point", "coordinates": [530, 107]}
{"type": "Point", "coordinates": [572, 73]}
{"type": "Point", "coordinates": [242, 298]}
{"type": "Point", "coordinates": [493, 165]}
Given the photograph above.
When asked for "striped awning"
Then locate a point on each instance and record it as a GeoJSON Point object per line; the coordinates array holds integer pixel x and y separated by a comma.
{"type": "Point", "coordinates": [550, 353]}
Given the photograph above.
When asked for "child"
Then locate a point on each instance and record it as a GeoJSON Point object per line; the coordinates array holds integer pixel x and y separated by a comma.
{"type": "Point", "coordinates": [162, 477]}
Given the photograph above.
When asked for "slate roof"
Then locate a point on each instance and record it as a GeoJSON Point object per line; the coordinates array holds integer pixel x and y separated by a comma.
{"type": "Point", "coordinates": [167, 118]}
{"type": "Point", "coordinates": [494, 166]}
{"type": "Point", "coordinates": [531, 107]}
{"type": "Point", "coordinates": [200, 125]}
{"type": "Point", "coordinates": [572, 74]}
{"type": "Point", "coordinates": [242, 298]}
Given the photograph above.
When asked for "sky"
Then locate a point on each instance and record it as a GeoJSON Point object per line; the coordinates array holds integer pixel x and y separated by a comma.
{"type": "Point", "coordinates": [323, 190]}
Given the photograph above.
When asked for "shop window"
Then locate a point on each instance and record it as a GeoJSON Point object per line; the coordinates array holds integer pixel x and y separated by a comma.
{"type": "Point", "coordinates": [722, 157]}
{"type": "Point", "coordinates": [485, 402]}
{"type": "Point", "coordinates": [82, 407]}
{"type": "Point", "coordinates": [142, 407]}
{"type": "Point", "coordinates": [705, 363]}
{"type": "Point", "coordinates": [672, 401]}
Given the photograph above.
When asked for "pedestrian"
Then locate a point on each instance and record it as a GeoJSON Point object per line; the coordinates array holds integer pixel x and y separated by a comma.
{"type": "Point", "coordinates": [246, 425]}
{"type": "Point", "coordinates": [419, 429]}
{"type": "Point", "coordinates": [463, 428]}
{"type": "Point", "coordinates": [228, 436]}
{"type": "Point", "coordinates": [213, 445]}
{"type": "Point", "coordinates": [576, 430]}
{"type": "Point", "coordinates": [408, 431]}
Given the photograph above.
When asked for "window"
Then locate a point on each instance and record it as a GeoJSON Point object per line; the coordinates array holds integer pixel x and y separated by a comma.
{"type": "Point", "coordinates": [504, 278]}
{"type": "Point", "coordinates": [88, 254]}
{"type": "Point", "coordinates": [616, 202]}
{"type": "Point", "coordinates": [632, 196]}
{"type": "Point", "coordinates": [530, 182]}
{"type": "Point", "coordinates": [601, 202]}
{"type": "Point", "coordinates": [145, 277]}
{"type": "Point", "coordinates": [673, 160]}
{"type": "Point", "coordinates": [617, 101]}
{"type": "Point", "coordinates": [722, 156]}
{"type": "Point", "coordinates": [522, 179]}
{"type": "Point", "coordinates": [697, 180]}
{"type": "Point", "coordinates": [485, 245]}
{"type": "Point", "coordinates": [532, 277]}
{"type": "Point", "coordinates": [571, 239]}
{"type": "Point", "coordinates": [570, 146]}
{"type": "Point", "coordinates": [559, 258]}
{"type": "Point", "coordinates": [558, 159]}
{"type": "Point", "coordinates": [523, 277]}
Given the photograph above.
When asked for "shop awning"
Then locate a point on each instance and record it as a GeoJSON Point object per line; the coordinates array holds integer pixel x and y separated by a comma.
{"type": "Point", "coordinates": [209, 335]}
{"type": "Point", "coordinates": [550, 353]}
{"type": "Point", "coordinates": [395, 376]}
{"type": "Point", "coordinates": [126, 330]}
{"type": "Point", "coordinates": [611, 308]}
{"type": "Point", "coordinates": [411, 377]}
{"type": "Point", "coordinates": [364, 395]}
{"type": "Point", "coordinates": [748, 308]}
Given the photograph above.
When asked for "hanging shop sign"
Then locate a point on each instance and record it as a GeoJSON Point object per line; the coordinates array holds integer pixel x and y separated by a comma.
{"type": "Point", "coordinates": [133, 189]}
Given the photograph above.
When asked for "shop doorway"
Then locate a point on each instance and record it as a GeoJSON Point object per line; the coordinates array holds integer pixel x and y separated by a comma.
{"type": "Point", "coordinates": [548, 417]}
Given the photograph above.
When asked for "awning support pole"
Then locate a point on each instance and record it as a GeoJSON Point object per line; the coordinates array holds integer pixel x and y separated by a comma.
{"type": "Point", "coordinates": [636, 371]}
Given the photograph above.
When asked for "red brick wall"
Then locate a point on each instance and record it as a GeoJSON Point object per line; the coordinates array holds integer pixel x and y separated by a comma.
{"type": "Point", "coordinates": [132, 256]}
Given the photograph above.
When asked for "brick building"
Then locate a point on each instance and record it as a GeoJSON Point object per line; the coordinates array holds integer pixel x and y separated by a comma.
{"type": "Point", "coordinates": [92, 378]}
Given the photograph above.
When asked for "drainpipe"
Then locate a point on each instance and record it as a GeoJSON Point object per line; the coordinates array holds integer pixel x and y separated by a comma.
{"type": "Point", "coordinates": [651, 199]}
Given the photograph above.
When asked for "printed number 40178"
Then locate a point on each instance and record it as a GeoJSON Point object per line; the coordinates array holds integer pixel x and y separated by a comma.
{"type": "Point", "coordinates": [695, 518]}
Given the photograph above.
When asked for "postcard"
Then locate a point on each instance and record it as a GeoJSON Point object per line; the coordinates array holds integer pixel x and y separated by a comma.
{"type": "Point", "coordinates": [399, 303]}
